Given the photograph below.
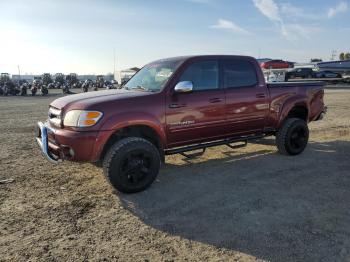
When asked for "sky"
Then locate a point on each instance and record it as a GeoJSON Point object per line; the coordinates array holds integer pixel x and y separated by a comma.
{"type": "Point", "coordinates": [82, 35]}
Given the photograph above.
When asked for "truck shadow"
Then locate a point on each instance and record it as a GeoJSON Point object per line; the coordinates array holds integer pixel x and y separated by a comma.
{"type": "Point", "coordinates": [273, 207]}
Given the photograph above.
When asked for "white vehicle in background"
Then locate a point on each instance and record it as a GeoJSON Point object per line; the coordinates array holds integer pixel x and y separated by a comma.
{"type": "Point", "coordinates": [275, 76]}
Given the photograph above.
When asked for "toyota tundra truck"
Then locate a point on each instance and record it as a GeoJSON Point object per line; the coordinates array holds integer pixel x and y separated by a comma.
{"type": "Point", "coordinates": [180, 105]}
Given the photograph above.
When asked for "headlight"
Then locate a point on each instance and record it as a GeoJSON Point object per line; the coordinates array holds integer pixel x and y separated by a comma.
{"type": "Point", "coordinates": [81, 118]}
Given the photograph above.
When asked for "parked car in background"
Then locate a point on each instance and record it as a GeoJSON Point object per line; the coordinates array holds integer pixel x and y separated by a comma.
{"type": "Point", "coordinates": [108, 85]}
{"type": "Point", "coordinates": [274, 76]}
{"type": "Point", "coordinates": [291, 64]}
{"type": "Point", "coordinates": [327, 74]}
{"type": "Point", "coordinates": [300, 73]}
{"type": "Point", "coordinates": [115, 84]}
{"type": "Point", "coordinates": [276, 64]}
{"type": "Point", "coordinates": [263, 60]}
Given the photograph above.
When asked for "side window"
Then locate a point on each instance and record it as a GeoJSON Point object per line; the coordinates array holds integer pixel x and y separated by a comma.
{"type": "Point", "coordinates": [204, 75]}
{"type": "Point", "coordinates": [239, 73]}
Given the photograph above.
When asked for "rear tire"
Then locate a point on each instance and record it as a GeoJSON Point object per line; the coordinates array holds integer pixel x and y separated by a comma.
{"type": "Point", "coordinates": [293, 137]}
{"type": "Point", "coordinates": [132, 164]}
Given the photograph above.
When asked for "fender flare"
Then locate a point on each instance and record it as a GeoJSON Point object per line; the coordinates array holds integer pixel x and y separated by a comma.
{"type": "Point", "coordinates": [289, 105]}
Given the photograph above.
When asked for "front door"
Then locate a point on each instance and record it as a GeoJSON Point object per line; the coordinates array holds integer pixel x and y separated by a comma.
{"type": "Point", "coordinates": [198, 115]}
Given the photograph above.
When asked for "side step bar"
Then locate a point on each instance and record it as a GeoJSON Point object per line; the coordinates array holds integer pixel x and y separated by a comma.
{"type": "Point", "coordinates": [193, 155]}
{"type": "Point", "coordinates": [203, 146]}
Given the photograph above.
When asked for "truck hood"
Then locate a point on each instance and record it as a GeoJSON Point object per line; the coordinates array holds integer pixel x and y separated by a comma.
{"type": "Point", "coordinates": [84, 100]}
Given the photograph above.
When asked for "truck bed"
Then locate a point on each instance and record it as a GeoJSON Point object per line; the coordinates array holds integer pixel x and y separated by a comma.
{"type": "Point", "coordinates": [306, 94]}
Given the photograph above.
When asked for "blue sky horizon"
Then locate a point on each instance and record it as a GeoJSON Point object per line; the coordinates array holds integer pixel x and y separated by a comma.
{"type": "Point", "coordinates": [80, 36]}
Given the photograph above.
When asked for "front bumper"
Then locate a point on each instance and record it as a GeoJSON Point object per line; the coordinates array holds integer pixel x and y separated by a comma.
{"type": "Point", "coordinates": [62, 144]}
{"type": "Point", "coordinates": [43, 142]}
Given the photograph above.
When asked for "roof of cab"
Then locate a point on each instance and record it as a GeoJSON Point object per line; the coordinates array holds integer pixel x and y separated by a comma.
{"type": "Point", "coordinates": [185, 58]}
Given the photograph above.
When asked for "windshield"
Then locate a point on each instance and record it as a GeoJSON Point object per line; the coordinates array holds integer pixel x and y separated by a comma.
{"type": "Point", "coordinates": [154, 76]}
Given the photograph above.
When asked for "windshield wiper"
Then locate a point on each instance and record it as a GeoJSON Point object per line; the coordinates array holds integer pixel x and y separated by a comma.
{"type": "Point", "coordinates": [142, 88]}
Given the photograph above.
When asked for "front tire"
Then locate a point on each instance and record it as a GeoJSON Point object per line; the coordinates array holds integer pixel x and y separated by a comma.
{"type": "Point", "coordinates": [132, 164]}
{"type": "Point", "coordinates": [293, 137]}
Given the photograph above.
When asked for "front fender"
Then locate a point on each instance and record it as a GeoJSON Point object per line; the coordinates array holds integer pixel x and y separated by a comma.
{"type": "Point", "coordinates": [122, 120]}
{"type": "Point", "coordinates": [119, 121]}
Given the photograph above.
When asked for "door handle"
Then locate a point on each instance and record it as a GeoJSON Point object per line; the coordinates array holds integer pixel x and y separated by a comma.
{"type": "Point", "coordinates": [260, 96]}
{"type": "Point", "coordinates": [215, 100]}
{"type": "Point", "coordinates": [176, 105]}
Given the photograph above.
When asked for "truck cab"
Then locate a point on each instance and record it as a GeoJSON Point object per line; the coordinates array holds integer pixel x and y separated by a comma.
{"type": "Point", "coordinates": [212, 106]}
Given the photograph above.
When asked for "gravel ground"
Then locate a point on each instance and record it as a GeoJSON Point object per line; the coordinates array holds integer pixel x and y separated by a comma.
{"type": "Point", "coordinates": [249, 204]}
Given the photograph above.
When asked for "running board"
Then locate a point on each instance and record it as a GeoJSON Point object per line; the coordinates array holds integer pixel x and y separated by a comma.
{"type": "Point", "coordinates": [228, 142]}
{"type": "Point", "coordinates": [245, 143]}
{"type": "Point", "coordinates": [193, 155]}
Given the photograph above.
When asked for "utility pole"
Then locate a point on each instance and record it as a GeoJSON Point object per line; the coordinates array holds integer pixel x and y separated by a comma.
{"type": "Point", "coordinates": [334, 54]}
{"type": "Point", "coordinates": [19, 72]}
{"type": "Point", "coordinates": [114, 63]}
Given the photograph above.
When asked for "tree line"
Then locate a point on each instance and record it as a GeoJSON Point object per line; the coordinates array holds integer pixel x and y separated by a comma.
{"type": "Point", "coordinates": [344, 56]}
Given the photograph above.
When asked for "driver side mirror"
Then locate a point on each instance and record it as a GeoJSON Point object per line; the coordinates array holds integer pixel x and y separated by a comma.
{"type": "Point", "coordinates": [184, 87]}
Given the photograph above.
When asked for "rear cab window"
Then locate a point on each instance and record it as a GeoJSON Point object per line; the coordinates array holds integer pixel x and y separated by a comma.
{"type": "Point", "coordinates": [239, 73]}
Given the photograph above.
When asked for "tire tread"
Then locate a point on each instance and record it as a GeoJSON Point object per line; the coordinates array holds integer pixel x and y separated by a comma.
{"type": "Point", "coordinates": [282, 134]}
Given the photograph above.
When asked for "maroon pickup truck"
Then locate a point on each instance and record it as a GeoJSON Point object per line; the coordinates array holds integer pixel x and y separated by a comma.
{"type": "Point", "coordinates": [179, 105]}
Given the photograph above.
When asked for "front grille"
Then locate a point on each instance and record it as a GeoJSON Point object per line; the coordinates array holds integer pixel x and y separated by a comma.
{"type": "Point", "coordinates": [55, 116]}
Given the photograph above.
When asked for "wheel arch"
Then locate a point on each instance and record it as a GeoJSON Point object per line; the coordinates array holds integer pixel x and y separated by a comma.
{"type": "Point", "coordinates": [143, 130]}
{"type": "Point", "coordinates": [297, 109]}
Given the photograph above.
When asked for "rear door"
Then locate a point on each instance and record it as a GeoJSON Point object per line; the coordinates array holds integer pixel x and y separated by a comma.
{"type": "Point", "coordinates": [200, 114]}
{"type": "Point", "coordinates": [246, 101]}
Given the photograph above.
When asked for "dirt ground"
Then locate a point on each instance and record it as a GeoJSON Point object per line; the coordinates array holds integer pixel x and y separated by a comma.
{"type": "Point", "coordinates": [249, 204]}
